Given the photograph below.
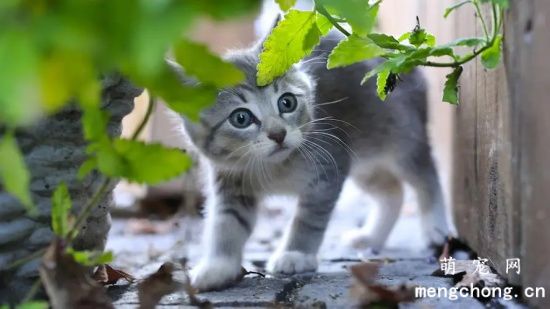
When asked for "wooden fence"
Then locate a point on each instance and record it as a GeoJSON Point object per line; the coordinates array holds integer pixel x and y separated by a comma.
{"type": "Point", "coordinates": [501, 188]}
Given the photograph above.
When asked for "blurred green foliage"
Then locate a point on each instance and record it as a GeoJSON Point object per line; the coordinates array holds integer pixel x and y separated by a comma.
{"type": "Point", "coordinates": [55, 51]}
{"type": "Point", "coordinates": [356, 20]}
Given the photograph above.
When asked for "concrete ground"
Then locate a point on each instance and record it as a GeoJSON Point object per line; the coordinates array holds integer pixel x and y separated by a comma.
{"type": "Point", "coordinates": [405, 261]}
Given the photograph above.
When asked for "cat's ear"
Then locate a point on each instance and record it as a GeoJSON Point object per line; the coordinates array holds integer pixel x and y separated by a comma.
{"type": "Point", "coordinates": [180, 72]}
{"type": "Point", "coordinates": [260, 44]}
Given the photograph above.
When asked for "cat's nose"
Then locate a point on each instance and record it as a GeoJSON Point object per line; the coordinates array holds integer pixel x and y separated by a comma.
{"type": "Point", "coordinates": [277, 136]}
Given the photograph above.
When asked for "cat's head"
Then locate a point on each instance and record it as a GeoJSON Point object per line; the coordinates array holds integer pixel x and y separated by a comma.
{"type": "Point", "coordinates": [248, 122]}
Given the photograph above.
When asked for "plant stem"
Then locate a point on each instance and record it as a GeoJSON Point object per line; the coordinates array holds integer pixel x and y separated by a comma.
{"type": "Point", "coordinates": [478, 11]}
{"type": "Point", "coordinates": [85, 212]}
{"type": "Point", "coordinates": [497, 21]}
{"type": "Point", "coordinates": [321, 9]}
{"type": "Point", "coordinates": [26, 259]}
{"type": "Point", "coordinates": [32, 291]}
{"type": "Point", "coordinates": [458, 63]}
{"type": "Point", "coordinates": [145, 119]}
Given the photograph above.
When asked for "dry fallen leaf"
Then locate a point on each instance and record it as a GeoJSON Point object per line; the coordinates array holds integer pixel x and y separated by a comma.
{"type": "Point", "coordinates": [158, 284]}
{"type": "Point", "coordinates": [370, 293]}
{"type": "Point", "coordinates": [474, 277]}
{"type": "Point", "coordinates": [68, 283]}
{"type": "Point", "coordinates": [107, 275]}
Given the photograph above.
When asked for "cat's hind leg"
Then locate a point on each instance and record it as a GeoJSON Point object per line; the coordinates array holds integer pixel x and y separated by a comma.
{"type": "Point", "coordinates": [418, 169]}
{"type": "Point", "coordinates": [387, 191]}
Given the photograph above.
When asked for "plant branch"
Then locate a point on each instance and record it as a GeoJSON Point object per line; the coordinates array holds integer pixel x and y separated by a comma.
{"type": "Point", "coordinates": [26, 259]}
{"type": "Point", "coordinates": [497, 24]}
{"type": "Point", "coordinates": [323, 11]}
{"type": "Point", "coordinates": [145, 119]}
{"type": "Point", "coordinates": [478, 11]}
{"type": "Point", "coordinates": [102, 190]}
{"type": "Point", "coordinates": [85, 212]}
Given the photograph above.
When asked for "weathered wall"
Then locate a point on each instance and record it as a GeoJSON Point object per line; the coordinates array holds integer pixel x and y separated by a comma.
{"type": "Point", "coordinates": [54, 149]}
{"type": "Point", "coordinates": [501, 178]}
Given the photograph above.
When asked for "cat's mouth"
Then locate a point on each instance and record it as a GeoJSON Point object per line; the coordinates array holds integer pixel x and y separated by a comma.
{"type": "Point", "coordinates": [278, 149]}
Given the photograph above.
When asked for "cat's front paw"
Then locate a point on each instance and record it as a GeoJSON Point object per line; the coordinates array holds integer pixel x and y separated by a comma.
{"type": "Point", "coordinates": [215, 274]}
{"type": "Point", "coordinates": [292, 262]}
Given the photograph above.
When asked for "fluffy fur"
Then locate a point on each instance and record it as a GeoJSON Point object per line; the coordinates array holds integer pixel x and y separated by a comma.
{"type": "Point", "coordinates": [338, 129]}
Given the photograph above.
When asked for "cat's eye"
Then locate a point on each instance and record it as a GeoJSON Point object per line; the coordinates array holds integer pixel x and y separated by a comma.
{"type": "Point", "coordinates": [287, 103]}
{"type": "Point", "coordinates": [241, 118]}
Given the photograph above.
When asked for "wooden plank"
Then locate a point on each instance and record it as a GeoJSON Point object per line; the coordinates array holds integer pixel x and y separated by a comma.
{"type": "Point", "coordinates": [533, 103]}
{"type": "Point", "coordinates": [484, 174]}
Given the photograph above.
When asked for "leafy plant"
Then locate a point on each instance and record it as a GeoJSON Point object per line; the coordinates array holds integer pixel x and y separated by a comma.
{"type": "Point", "coordinates": [54, 53]}
{"type": "Point", "coordinates": [57, 50]}
{"type": "Point", "coordinates": [355, 19]}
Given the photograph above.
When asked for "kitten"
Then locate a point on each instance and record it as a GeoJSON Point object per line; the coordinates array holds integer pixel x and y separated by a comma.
{"type": "Point", "coordinates": [304, 134]}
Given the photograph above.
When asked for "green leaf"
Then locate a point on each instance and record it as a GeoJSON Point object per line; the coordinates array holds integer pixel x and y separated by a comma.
{"type": "Point", "coordinates": [35, 304]}
{"type": "Point", "coordinates": [387, 41]}
{"type": "Point", "coordinates": [285, 45]}
{"type": "Point", "coordinates": [450, 92]}
{"type": "Point", "coordinates": [323, 24]}
{"type": "Point", "coordinates": [442, 51]}
{"type": "Point", "coordinates": [430, 40]}
{"type": "Point", "coordinates": [404, 36]}
{"type": "Point", "coordinates": [14, 173]}
{"type": "Point", "coordinates": [454, 7]}
{"type": "Point", "coordinates": [351, 50]}
{"type": "Point", "coordinates": [132, 160]}
{"type": "Point", "coordinates": [91, 258]}
{"type": "Point", "coordinates": [502, 3]}
{"type": "Point", "coordinates": [312, 38]}
{"type": "Point", "coordinates": [285, 5]}
{"type": "Point", "coordinates": [418, 37]}
{"type": "Point", "coordinates": [65, 76]}
{"type": "Point", "coordinates": [178, 94]}
{"type": "Point", "coordinates": [491, 56]}
{"type": "Point", "coordinates": [469, 42]}
{"type": "Point", "coordinates": [358, 13]}
{"type": "Point", "coordinates": [61, 206]}
{"type": "Point", "coordinates": [381, 83]}
{"type": "Point", "coordinates": [94, 123]}
{"type": "Point", "coordinates": [198, 61]}
{"type": "Point", "coordinates": [387, 65]}
{"type": "Point", "coordinates": [19, 86]}
{"type": "Point", "coordinates": [87, 167]}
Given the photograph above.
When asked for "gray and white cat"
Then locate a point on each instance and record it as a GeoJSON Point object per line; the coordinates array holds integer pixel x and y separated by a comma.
{"type": "Point", "coordinates": [303, 135]}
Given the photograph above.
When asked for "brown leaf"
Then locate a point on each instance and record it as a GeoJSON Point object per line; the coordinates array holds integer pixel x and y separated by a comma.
{"type": "Point", "coordinates": [365, 272]}
{"type": "Point", "coordinates": [369, 293]}
{"type": "Point", "coordinates": [157, 285]}
{"type": "Point", "coordinates": [474, 277]}
{"type": "Point", "coordinates": [67, 283]}
{"type": "Point", "coordinates": [107, 275]}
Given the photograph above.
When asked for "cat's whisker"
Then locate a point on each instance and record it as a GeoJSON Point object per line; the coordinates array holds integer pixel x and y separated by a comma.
{"type": "Point", "coordinates": [323, 153]}
{"type": "Point", "coordinates": [338, 140]}
{"type": "Point", "coordinates": [331, 102]}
